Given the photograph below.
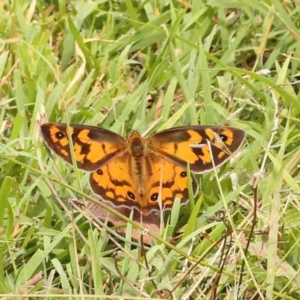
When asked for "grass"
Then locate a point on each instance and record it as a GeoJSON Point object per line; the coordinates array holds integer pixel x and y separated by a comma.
{"type": "Point", "coordinates": [149, 66]}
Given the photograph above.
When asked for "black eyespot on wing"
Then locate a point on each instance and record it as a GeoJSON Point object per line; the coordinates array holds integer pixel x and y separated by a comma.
{"type": "Point", "coordinates": [131, 195]}
{"type": "Point", "coordinates": [99, 172]}
{"type": "Point", "coordinates": [154, 197]}
{"type": "Point", "coordinates": [183, 174]}
{"type": "Point", "coordinates": [224, 138]}
{"type": "Point", "coordinates": [59, 135]}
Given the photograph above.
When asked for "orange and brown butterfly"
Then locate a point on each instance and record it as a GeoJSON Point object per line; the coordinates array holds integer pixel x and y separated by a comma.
{"type": "Point", "coordinates": [145, 174]}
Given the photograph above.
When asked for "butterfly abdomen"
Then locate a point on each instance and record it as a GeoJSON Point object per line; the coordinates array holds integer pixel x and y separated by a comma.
{"type": "Point", "coordinates": [141, 172]}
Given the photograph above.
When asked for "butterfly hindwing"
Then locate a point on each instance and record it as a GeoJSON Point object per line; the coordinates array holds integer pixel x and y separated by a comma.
{"type": "Point", "coordinates": [161, 182]}
{"type": "Point", "coordinates": [113, 182]}
{"type": "Point", "coordinates": [167, 182]}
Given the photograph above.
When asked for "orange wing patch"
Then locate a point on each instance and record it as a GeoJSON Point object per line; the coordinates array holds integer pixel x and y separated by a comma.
{"type": "Point", "coordinates": [182, 149]}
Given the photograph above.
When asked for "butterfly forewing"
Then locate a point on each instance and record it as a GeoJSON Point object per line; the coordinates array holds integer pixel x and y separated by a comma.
{"type": "Point", "coordinates": [202, 147]}
{"type": "Point", "coordinates": [92, 146]}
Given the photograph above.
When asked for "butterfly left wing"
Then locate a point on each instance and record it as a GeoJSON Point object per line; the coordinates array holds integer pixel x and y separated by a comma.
{"type": "Point", "coordinates": [202, 147]}
{"type": "Point", "coordinates": [93, 146]}
{"type": "Point", "coordinates": [114, 183]}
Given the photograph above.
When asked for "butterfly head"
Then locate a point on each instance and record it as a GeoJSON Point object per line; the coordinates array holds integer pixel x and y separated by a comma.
{"type": "Point", "coordinates": [136, 144]}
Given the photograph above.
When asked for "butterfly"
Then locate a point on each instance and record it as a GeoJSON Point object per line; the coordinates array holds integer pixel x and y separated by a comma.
{"type": "Point", "coordinates": [143, 173]}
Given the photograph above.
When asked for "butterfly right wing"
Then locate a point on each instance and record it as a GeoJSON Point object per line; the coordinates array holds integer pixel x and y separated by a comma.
{"type": "Point", "coordinates": [92, 146]}
{"type": "Point", "coordinates": [202, 147]}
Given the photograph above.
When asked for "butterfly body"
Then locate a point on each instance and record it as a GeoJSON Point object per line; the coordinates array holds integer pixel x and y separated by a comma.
{"type": "Point", "coordinates": [146, 174]}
